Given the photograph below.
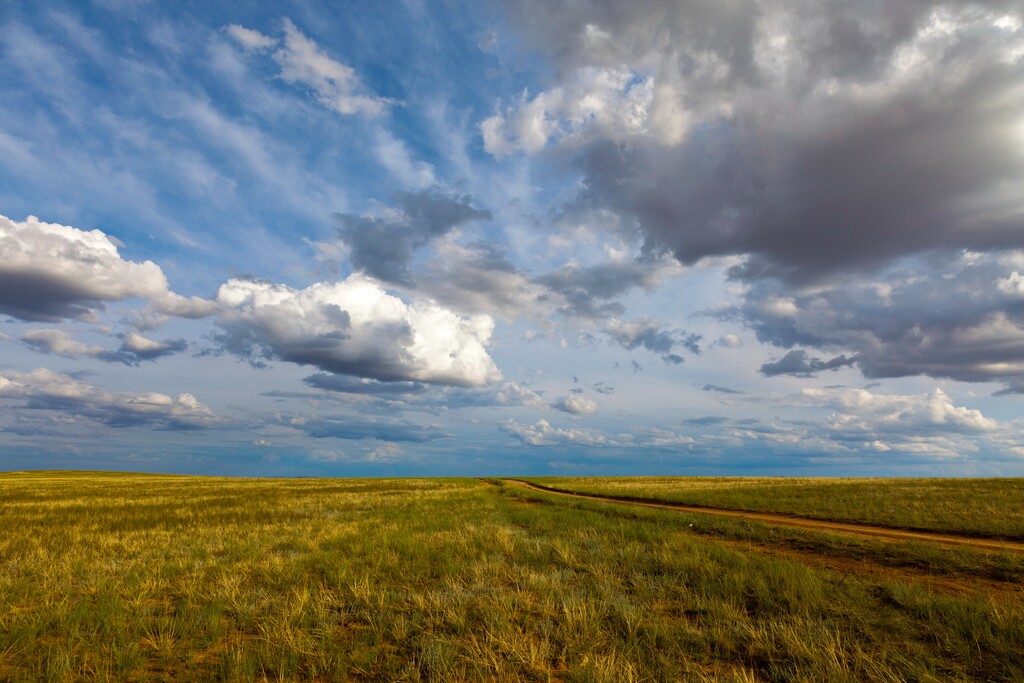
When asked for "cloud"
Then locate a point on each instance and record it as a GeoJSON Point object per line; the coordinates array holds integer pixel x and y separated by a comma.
{"type": "Point", "coordinates": [705, 421]}
{"type": "Point", "coordinates": [49, 272]}
{"type": "Point", "coordinates": [719, 389]}
{"type": "Point", "coordinates": [942, 317]}
{"type": "Point", "coordinates": [43, 389]}
{"type": "Point", "coordinates": [613, 101]}
{"type": "Point", "coordinates": [729, 341]}
{"type": "Point", "coordinates": [815, 140]}
{"type": "Point", "coordinates": [648, 334]}
{"type": "Point", "coordinates": [324, 427]}
{"type": "Point", "coordinates": [394, 155]}
{"type": "Point", "coordinates": [383, 246]}
{"type": "Point", "coordinates": [336, 85]}
{"type": "Point", "coordinates": [478, 278]}
{"type": "Point", "coordinates": [588, 291]}
{"type": "Point", "coordinates": [59, 342]}
{"type": "Point", "coordinates": [542, 434]}
{"type": "Point", "coordinates": [250, 39]}
{"type": "Point", "coordinates": [799, 364]}
{"type": "Point", "coordinates": [366, 387]}
{"type": "Point", "coordinates": [575, 405]}
{"type": "Point", "coordinates": [134, 347]}
{"type": "Point", "coordinates": [354, 327]}
{"type": "Point", "coordinates": [858, 412]}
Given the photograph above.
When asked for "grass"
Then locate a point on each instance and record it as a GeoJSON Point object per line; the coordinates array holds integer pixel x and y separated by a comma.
{"type": "Point", "coordinates": [133, 577]}
{"type": "Point", "coordinates": [981, 507]}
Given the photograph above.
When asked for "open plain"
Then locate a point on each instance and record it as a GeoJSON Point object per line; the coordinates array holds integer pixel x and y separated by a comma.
{"type": "Point", "coordinates": [109, 576]}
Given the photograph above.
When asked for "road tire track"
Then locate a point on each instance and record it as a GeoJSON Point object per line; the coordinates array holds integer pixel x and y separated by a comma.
{"type": "Point", "coordinates": [847, 528]}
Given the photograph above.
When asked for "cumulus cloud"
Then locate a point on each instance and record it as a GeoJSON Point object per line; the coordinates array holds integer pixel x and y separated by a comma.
{"type": "Point", "coordinates": [575, 405]}
{"type": "Point", "coordinates": [827, 145]}
{"type": "Point", "coordinates": [831, 137]}
{"type": "Point", "coordinates": [336, 85]}
{"type": "Point", "coordinates": [858, 411]}
{"type": "Point", "coordinates": [542, 433]}
{"type": "Point", "coordinates": [612, 101]}
{"type": "Point", "coordinates": [382, 246]}
{"type": "Point", "coordinates": [354, 327]}
{"type": "Point", "coordinates": [43, 389]}
{"type": "Point", "coordinates": [49, 272]}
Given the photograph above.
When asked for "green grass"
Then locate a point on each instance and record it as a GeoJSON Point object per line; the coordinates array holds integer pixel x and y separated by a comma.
{"type": "Point", "coordinates": [132, 577]}
{"type": "Point", "coordinates": [982, 507]}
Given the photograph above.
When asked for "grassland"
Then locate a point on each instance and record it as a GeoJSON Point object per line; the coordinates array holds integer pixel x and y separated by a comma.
{"type": "Point", "coordinates": [131, 577]}
{"type": "Point", "coordinates": [982, 507]}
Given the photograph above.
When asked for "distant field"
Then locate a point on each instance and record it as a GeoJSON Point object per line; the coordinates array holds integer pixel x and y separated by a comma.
{"type": "Point", "coordinates": [132, 577]}
{"type": "Point", "coordinates": [984, 507]}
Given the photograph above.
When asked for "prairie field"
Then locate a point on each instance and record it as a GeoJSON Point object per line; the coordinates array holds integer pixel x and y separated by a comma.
{"type": "Point", "coordinates": [126, 577]}
{"type": "Point", "coordinates": [981, 507]}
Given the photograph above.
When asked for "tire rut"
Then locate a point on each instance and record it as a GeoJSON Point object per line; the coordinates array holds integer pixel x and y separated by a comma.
{"type": "Point", "coordinates": [847, 528]}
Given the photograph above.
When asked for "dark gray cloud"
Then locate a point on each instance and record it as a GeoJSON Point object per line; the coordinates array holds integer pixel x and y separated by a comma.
{"type": "Point", "coordinates": [761, 138]}
{"type": "Point", "coordinates": [799, 364]}
{"type": "Point", "coordinates": [649, 335]}
{"type": "Point", "coordinates": [384, 246]}
{"type": "Point", "coordinates": [589, 292]}
{"type": "Point", "coordinates": [366, 387]}
{"type": "Point", "coordinates": [720, 389]}
{"type": "Point", "coordinates": [826, 144]}
{"type": "Point", "coordinates": [960, 318]}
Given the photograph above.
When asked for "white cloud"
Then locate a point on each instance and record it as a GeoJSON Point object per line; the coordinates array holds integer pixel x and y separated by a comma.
{"type": "Point", "coordinates": [729, 341]}
{"type": "Point", "coordinates": [613, 102]}
{"type": "Point", "coordinates": [59, 342]}
{"type": "Point", "coordinates": [355, 327]}
{"type": "Point", "coordinates": [47, 390]}
{"type": "Point", "coordinates": [1012, 284]}
{"type": "Point", "coordinates": [576, 405]}
{"type": "Point", "coordinates": [395, 157]}
{"type": "Point", "coordinates": [250, 39]}
{"type": "Point", "coordinates": [336, 85]}
{"type": "Point", "coordinates": [859, 410]}
{"type": "Point", "coordinates": [543, 434]}
{"type": "Point", "coordinates": [50, 271]}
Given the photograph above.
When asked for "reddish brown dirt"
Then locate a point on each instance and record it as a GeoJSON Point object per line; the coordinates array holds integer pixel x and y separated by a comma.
{"type": "Point", "coordinates": [861, 530]}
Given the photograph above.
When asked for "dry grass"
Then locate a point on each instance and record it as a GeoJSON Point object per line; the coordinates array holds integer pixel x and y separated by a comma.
{"type": "Point", "coordinates": [129, 577]}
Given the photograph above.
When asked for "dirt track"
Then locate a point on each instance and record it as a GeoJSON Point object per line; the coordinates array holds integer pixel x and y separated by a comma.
{"type": "Point", "coordinates": [861, 530]}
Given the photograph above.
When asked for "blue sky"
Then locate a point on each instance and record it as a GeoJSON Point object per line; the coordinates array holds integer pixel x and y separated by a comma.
{"type": "Point", "coordinates": [408, 238]}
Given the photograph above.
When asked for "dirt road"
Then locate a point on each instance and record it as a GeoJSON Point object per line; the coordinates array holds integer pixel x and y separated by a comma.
{"type": "Point", "coordinates": [862, 530]}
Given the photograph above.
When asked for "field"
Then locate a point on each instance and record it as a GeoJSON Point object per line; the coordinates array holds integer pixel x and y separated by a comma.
{"type": "Point", "coordinates": [139, 577]}
{"type": "Point", "coordinates": [981, 507]}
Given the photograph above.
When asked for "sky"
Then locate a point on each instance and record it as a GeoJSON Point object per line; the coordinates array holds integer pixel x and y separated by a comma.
{"type": "Point", "coordinates": [404, 238]}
